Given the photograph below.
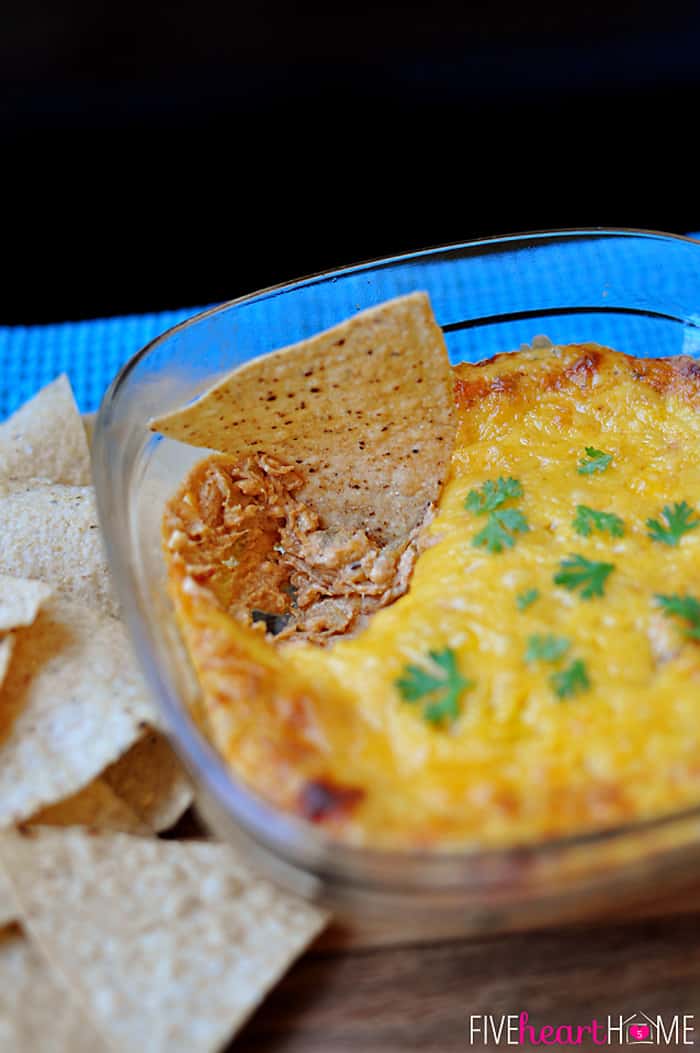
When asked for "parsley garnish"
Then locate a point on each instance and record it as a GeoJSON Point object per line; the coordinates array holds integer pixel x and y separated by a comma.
{"type": "Point", "coordinates": [678, 522]}
{"type": "Point", "coordinates": [579, 571]}
{"type": "Point", "coordinates": [588, 519]}
{"type": "Point", "coordinates": [503, 523]}
{"type": "Point", "coordinates": [441, 692]}
{"type": "Point", "coordinates": [571, 680]}
{"type": "Point", "coordinates": [564, 682]}
{"type": "Point", "coordinates": [686, 607]}
{"type": "Point", "coordinates": [526, 598]}
{"type": "Point", "coordinates": [594, 461]}
{"type": "Point", "coordinates": [498, 532]}
{"type": "Point", "coordinates": [546, 648]}
{"type": "Point", "coordinates": [492, 495]}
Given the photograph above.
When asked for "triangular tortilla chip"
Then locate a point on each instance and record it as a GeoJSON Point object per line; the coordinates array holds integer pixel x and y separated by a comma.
{"type": "Point", "coordinates": [366, 407]}
{"type": "Point", "coordinates": [72, 702]}
{"type": "Point", "coordinates": [168, 945]}
{"type": "Point", "coordinates": [36, 1016]}
{"type": "Point", "coordinates": [20, 600]}
{"type": "Point", "coordinates": [45, 439]}
{"type": "Point", "coordinates": [96, 806]}
{"type": "Point", "coordinates": [151, 781]}
{"type": "Point", "coordinates": [50, 532]}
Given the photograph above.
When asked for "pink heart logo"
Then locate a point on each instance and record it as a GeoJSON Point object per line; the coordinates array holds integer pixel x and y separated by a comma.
{"type": "Point", "coordinates": [639, 1032]}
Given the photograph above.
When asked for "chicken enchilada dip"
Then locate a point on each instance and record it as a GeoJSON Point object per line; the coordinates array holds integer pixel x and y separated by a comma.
{"type": "Point", "coordinates": [434, 607]}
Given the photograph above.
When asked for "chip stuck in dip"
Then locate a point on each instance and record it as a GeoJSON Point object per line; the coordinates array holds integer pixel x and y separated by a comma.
{"type": "Point", "coordinates": [434, 607]}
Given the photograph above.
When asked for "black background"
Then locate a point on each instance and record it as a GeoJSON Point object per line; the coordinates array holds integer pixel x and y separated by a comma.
{"type": "Point", "coordinates": [168, 156]}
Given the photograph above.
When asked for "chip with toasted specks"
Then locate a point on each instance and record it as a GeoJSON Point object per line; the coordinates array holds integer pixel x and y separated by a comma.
{"type": "Point", "coordinates": [50, 532]}
{"type": "Point", "coordinates": [72, 702]}
{"type": "Point", "coordinates": [45, 439]}
{"type": "Point", "coordinates": [366, 408]}
{"type": "Point", "coordinates": [20, 600]}
{"type": "Point", "coordinates": [36, 1013]}
{"type": "Point", "coordinates": [96, 806]}
{"type": "Point", "coordinates": [168, 946]}
{"type": "Point", "coordinates": [151, 781]}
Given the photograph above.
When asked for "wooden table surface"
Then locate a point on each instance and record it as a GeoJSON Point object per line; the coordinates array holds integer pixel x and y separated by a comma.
{"type": "Point", "coordinates": [374, 999]}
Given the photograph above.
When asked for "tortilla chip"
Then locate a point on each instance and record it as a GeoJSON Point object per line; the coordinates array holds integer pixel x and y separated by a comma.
{"type": "Point", "coordinates": [72, 702]}
{"type": "Point", "coordinates": [7, 644]}
{"type": "Point", "coordinates": [50, 532]}
{"type": "Point", "coordinates": [45, 439]}
{"type": "Point", "coordinates": [366, 407]}
{"type": "Point", "coordinates": [97, 806]}
{"type": "Point", "coordinates": [168, 945]}
{"type": "Point", "coordinates": [20, 600]}
{"type": "Point", "coordinates": [152, 782]}
{"type": "Point", "coordinates": [35, 1014]}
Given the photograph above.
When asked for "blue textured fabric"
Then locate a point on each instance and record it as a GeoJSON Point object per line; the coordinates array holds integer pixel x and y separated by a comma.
{"type": "Point", "coordinates": [89, 352]}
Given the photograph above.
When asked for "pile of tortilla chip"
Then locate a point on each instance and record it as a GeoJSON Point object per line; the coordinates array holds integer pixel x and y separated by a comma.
{"type": "Point", "coordinates": [111, 937]}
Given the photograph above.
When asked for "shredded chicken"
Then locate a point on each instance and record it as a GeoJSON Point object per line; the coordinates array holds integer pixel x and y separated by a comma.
{"type": "Point", "coordinates": [245, 536]}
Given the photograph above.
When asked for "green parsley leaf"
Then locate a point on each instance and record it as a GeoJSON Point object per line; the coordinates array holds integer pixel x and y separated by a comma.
{"type": "Point", "coordinates": [492, 495]}
{"type": "Point", "coordinates": [594, 461]}
{"type": "Point", "coordinates": [526, 598]}
{"type": "Point", "coordinates": [678, 522]}
{"type": "Point", "coordinates": [588, 519]}
{"type": "Point", "coordinates": [578, 571]}
{"type": "Point", "coordinates": [571, 680]}
{"type": "Point", "coordinates": [686, 607]}
{"type": "Point", "coordinates": [441, 693]}
{"type": "Point", "coordinates": [546, 648]}
{"type": "Point", "coordinates": [498, 532]}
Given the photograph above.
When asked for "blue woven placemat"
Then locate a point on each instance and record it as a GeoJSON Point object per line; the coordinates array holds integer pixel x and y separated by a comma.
{"type": "Point", "coordinates": [89, 352]}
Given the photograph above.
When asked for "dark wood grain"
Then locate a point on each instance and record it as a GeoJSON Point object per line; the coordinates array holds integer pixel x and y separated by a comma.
{"type": "Point", "coordinates": [392, 999]}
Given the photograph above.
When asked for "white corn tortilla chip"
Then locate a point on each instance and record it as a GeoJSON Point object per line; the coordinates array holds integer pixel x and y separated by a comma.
{"type": "Point", "coordinates": [20, 600]}
{"type": "Point", "coordinates": [45, 439]}
{"type": "Point", "coordinates": [367, 408]}
{"type": "Point", "coordinates": [36, 1015]}
{"type": "Point", "coordinates": [50, 532]}
{"type": "Point", "coordinates": [97, 806]}
{"type": "Point", "coordinates": [169, 946]}
{"type": "Point", "coordinates": [72, 702]}
{"type": "Point", "coordinates": [151, 781]}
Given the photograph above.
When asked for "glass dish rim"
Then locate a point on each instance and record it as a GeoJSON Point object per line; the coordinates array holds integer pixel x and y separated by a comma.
{"type": "Point", "coordinates": [267, 826]}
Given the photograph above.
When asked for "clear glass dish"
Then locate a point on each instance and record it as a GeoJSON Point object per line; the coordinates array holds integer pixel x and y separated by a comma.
{"type": "Point", "coordinates": [633, 290]}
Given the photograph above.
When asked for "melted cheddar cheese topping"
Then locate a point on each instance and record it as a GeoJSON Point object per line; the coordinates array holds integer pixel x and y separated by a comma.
{"type": "Point", "coordinates": [327, 731]}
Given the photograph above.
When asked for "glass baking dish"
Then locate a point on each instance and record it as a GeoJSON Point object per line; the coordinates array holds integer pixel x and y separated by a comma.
{"type": "Point", "coordinates": [636, 291]}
